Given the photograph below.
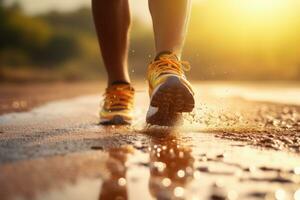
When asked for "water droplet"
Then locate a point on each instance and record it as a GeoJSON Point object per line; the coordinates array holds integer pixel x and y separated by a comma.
{"type": "Point", "coordinates": [189, 170]}
{"type": "Point", "coordinates": [138, 144]}
{"type": "Point", "coordinates": [280, 194]}
{"type": "Point", "coordinates": [160, 166]}
{"type": "Point", "coordinates": [197, 175]}
{"type": "Point", "coordinates": [297, 170]}
{"type": "Point", "coordinates": [122, 181]}
{"type": "Point", "coordinates": [180, 173]}
{"type": "Point", "coordinates": [252, 169]}
{"type": "Point", "coordinates": [15, 104]}
{"type": "Point", "coordinates": [204, 159]}
{"type": "Point", "coordinates": [23, 103]}
{"type": "Point", "coordinates": [166, 182]}
{"type": "Point", "coordinates": [178, 192]}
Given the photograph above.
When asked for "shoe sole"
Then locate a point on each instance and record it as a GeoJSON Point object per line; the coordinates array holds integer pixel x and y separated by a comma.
{"type": "Point", "coordinates": [116, 120]}
{"type": "Point", "coordinates": [170, 99]}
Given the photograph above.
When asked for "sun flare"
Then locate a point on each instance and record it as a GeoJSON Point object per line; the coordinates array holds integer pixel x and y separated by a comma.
{"type": "Point", "coordinates": [261, 6]}
{"type": "Point", "coordinates": [251, 34]}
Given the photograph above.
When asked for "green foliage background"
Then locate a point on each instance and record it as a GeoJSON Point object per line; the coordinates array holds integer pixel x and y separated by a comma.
{"type": "Point", "coordinates": [63, 46]}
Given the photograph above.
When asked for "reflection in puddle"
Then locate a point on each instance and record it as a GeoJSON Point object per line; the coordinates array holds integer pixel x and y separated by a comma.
{"type": "Point", "coordinates": [116, 186]}
{"type": "Point", "coordinates": [165, 164]}
{"type": "Point", "coordinates": [161, 167]}
{"type": "Point", "coordinates": [171, 169]}
{"type": "Point", "coordinates": [171, 165]}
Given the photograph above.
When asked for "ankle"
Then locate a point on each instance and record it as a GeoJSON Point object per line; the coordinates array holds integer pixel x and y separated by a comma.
{"type": "Point", "coordinates": [118, 82]}
{"type": "Point", "coordinates": [162, 53]}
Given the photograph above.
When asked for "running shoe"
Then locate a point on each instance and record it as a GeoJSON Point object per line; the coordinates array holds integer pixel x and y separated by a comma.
{"type": "Point", "coordinates": [118, 105]}
{"type": "Point", "coordinates": [170, 92]}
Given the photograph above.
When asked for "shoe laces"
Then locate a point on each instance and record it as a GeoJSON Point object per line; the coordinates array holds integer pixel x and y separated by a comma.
{"type": "Point", "coordinates": [168, 64]}
{"type": "Point", "coordinates": [118, 97]}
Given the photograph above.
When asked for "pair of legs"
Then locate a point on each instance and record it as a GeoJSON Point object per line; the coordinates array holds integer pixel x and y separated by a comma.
{"type": "Point", "coordinates": [112, 21]}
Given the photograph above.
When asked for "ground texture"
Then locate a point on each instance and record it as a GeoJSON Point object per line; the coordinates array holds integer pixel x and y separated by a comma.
{"type": "Point", "coordinates": [242, 141]}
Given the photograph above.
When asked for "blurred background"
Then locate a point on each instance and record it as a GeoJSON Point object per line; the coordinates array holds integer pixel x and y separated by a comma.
{"type": "Point", "coordinates": [249, 40]}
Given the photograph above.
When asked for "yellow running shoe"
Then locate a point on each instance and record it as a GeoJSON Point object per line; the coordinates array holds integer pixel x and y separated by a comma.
{"type": "Point", "coordinates": [170, 92]}
{"type": "Point", "coordinates": [118, 105]}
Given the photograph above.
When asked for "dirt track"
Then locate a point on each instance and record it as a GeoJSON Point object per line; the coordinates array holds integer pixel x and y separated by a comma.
{"type": "Point", "coordinates": [233, 146]}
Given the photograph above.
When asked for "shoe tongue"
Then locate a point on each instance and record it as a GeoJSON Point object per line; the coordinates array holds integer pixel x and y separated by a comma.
{"type": "Point", "coordinates": [168, 54]}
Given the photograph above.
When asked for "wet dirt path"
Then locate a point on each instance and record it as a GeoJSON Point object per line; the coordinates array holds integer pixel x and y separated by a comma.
{"type": "Point", "coordinates": [23, 97]}
{"type": "Point", "coordinates": [229, 148]}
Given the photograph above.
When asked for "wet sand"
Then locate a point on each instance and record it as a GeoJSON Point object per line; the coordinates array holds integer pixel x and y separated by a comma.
{"type": "Point", "coordinates": [230, 147]}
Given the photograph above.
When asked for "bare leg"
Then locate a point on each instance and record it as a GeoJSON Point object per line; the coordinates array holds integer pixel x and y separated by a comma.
{"type": "Point", "coordinates": [171, 94]}
{"type": "Point", "coordinates": [112, 21]}
{"type": "Point", "coordinates": [170, 19]}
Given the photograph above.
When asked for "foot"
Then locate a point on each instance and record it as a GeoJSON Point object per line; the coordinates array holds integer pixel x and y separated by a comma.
{"type": "Point", "coordinates": [118, 105]}
{"type": "Point", "coordinates": [170, 92]}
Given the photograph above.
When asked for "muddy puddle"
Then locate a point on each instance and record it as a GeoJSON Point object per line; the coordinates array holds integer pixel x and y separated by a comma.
{"type": "Point", "coordinates": [164, 165]}
{"type": "Point", "coordinates": [228, 148]}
